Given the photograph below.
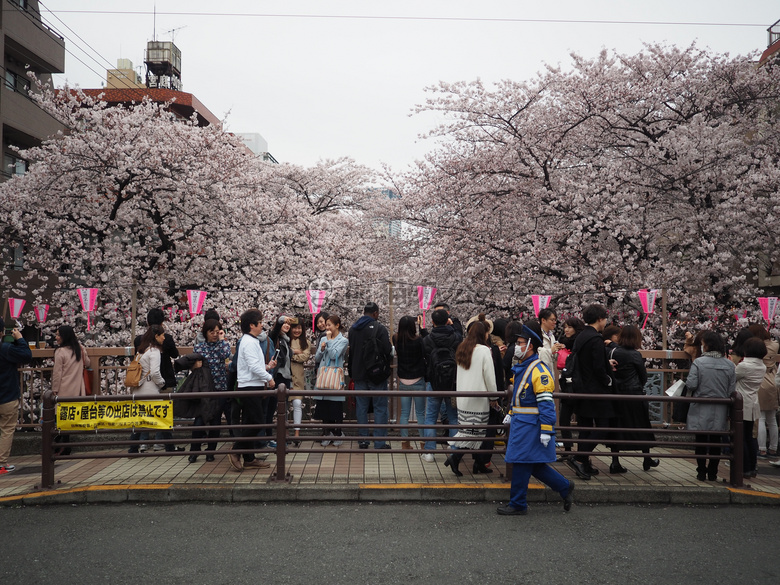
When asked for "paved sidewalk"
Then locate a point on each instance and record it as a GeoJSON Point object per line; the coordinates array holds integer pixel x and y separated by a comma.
{"type": "Point", "coordinates": [367, 475]}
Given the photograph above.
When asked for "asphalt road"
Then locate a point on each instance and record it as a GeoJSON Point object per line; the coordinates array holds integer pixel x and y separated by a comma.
{"type": "Point", "coordinates": [373, 544]}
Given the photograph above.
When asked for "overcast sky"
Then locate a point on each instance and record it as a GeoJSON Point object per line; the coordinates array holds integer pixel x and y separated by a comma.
{"type": "Point", "coordinates": [330, 78]}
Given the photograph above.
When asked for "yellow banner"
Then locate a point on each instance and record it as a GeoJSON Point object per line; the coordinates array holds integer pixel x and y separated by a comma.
{"type": "Point", "coordinates": [87, 416]}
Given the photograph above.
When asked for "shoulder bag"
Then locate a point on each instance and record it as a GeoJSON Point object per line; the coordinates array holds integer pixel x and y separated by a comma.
{"type": "Point", "coordinates": [330, 377]}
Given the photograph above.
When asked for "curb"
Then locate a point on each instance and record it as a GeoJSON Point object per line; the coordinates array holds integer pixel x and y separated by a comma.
{"type": "Point", "coordinates": [170, 493]}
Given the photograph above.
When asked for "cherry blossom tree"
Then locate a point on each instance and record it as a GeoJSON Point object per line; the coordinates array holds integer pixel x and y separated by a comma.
{"type": "Point", "coordinates": [131, 196]}
{"type": "Point", "coordinates": [658, 169]}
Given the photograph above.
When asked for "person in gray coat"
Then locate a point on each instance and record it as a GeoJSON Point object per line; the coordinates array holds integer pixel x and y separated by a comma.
{"type": "Point", "coordinates": [712, 376]}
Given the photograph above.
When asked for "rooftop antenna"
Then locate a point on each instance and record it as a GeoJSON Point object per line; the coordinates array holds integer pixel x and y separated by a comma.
{"type": "Point", "coordinates": [154, 23]}
{"type": "Point", "coordinates": [172, 32]}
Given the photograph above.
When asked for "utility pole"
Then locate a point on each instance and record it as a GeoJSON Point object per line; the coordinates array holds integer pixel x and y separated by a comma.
{"type": "Point", "coordinates": [392, 307]}
{"type": "Point", "coordinates": [134, 311]}
{"type": "Point", "coordinates": [664, 323]}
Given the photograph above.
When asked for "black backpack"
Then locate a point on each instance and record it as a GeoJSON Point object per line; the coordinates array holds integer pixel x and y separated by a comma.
{"type": "Point", "coordinates": [442, 369]}
{"type": "Point", "coordinates": [571, 378]}
{"type": "Point", "coordinates": [375, 362]}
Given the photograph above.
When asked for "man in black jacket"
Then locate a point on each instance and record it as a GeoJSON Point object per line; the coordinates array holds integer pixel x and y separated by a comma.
{"type": "Point", "coordinates": [443, 335]}
{"type": "Point", "coordinates": [368, 333]}
{"type": "Point", "coordinates": [13, 352]}
{"type": "Point", "coordinates": [593, 375]}
{"type": "Point", "coordinates": [452, 321]}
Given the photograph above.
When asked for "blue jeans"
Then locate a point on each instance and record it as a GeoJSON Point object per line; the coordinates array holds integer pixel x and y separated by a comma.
{"type": "Point", "coordinates": [432, 415]}
{"type": "Point", "coordinates": [380, 411]}
{"type": "Point", "coordinates": [406, 404]}
{"type": "Point", "coordinates": [522, 472]}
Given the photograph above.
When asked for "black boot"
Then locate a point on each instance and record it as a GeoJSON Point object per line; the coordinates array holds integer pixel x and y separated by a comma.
{"type": "Point", "coordinates": [453, 462]}
{"type": "Point", "coordinates": [480, 467]}
{"type": "Point", "coordinates": [615, 467]}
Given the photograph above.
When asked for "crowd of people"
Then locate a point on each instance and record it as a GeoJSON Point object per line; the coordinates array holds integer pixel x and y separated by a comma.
{"type": "Point", "coordinates": [519, 366]}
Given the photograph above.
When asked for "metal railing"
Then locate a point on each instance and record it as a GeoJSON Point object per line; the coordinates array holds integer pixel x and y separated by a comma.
{"type": "Point", "coordinates": [109, 364]}
{"type": "Point", "coordinates": [735, 432]}
{"type": "Point", "coordinates": [282, 435]}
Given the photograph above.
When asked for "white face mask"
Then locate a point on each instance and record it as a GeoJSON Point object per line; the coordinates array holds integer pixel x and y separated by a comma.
{"type": "Point", "coordinates": [519, 354]}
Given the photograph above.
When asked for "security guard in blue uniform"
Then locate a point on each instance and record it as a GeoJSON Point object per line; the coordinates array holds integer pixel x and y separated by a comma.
{"type": "Point", "coordinates": [531, 443]}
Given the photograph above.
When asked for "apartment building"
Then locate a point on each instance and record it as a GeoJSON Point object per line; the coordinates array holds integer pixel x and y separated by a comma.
{"type": "Point", "coordinates": [27, 45]}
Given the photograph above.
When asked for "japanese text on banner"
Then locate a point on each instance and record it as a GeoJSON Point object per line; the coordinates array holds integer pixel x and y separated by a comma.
{"type": "Point", "coordinates": [87, 416]}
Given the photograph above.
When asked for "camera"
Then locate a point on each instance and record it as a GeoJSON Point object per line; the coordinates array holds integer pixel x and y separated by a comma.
{"type": "Point", "coordinates": [8, 336]}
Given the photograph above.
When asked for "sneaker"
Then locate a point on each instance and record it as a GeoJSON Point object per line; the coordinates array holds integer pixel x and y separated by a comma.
{"type": "Point", "coordinates": [427, 457]}
{"type": "Point", "coordinates": [143, 448]}
{"type": "Point", "coordinates": [6, 468]}
{"type": "Point", "coordinates": [158, 447]}
{"type": "Point", "coordinates": [775, 463]}
{"type": "Point", "coordinates": [327, 442]}
{"type": "Point", "coordinates": [338, 443]}
{"type": "Point", "coordinates": [272, 444]}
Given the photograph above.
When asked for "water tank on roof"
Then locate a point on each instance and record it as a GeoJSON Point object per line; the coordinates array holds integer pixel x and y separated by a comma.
{"type": "Point", "coordinates": [163, 65]}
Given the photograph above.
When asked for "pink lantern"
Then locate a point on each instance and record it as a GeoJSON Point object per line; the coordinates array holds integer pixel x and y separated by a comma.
{"type": "Point", "coordinates": [315, 298]}
{"type": "Point", "coordinates": [41, 313]}
{"type": "Point", "coordinates": [540, 302]}
{"type": "Point", "coordinates": [647, 298]}
{"type": "Point", "coordinates": [196, 298]}
{"type": "Point", "coordinates": [16, 306]}
{"type": "Point", "coordinates": [768, 307]}
{"type": "Point", "coordinates": [88, 298]}
{"type": "Point", "coordinates": [425, 294]}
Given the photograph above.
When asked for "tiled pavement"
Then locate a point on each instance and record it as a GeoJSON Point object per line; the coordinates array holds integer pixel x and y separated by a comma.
{"type": "Point", "coordinates": [366, 475]}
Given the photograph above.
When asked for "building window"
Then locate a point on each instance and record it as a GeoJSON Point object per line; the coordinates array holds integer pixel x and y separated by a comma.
{"type": "Point", "coordinates": [16, 82]}
{"type": "Point", "coordinates": [19, 258]}
{"type": "Point", "coordinates": [13, 165]}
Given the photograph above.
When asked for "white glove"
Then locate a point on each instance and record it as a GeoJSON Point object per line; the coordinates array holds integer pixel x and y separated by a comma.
{"type": "Point", "coordinates": [545, 439]}
{"type": "Point", "coordinates": [507, 419]}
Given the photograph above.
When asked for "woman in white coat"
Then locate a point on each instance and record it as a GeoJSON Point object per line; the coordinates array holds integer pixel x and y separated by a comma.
{"type": "Point", "coordinates": [750, 373]}
{"type": "Point", "coordinates": [151, 377]}
{"type": "Point", "coordinates": [475, 374]}
{"type": "Point", "coordinates": [768, 397]}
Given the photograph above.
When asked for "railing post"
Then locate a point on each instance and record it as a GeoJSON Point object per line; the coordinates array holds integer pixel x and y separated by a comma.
{"type": "Point", "coordinates": [281, 432]}
{"type": "Point", "coordinates": [737, 440]}
{"type": "Point", "coordinates": [47, 435]}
